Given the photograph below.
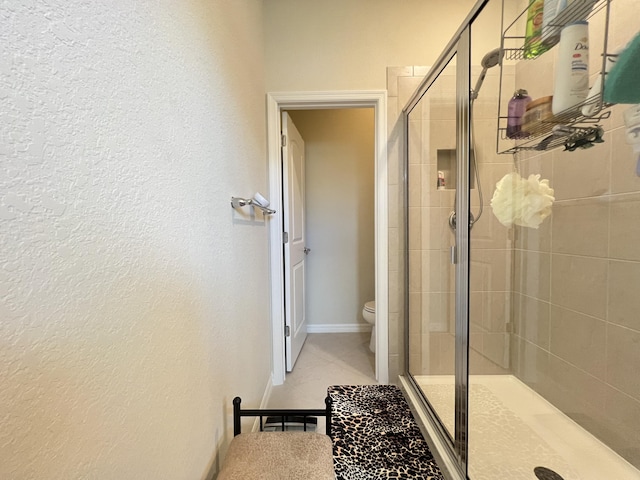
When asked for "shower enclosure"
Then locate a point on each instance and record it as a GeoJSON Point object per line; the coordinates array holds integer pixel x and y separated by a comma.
{"type": "Point", "coordinates": [522, 344]}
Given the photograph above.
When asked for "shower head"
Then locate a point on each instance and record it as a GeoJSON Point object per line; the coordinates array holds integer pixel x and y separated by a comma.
{"type": "Point", "coordinates": [490, 60]}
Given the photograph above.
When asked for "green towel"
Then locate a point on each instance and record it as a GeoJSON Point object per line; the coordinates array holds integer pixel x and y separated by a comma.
{"type": "Point", "coordinates": [622, 83]}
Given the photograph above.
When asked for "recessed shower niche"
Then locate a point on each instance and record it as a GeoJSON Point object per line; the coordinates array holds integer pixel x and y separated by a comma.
{"type": "Point", "coordinates": [447, 171]}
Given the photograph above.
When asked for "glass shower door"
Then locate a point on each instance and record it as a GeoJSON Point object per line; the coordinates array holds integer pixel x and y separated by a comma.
{"type": "Point", "coordinates": [431, 198]}
{"type": "Point", "coordinates": [438, 223]}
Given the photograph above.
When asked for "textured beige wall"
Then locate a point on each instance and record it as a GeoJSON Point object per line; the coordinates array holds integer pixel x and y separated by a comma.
{"type": "Point", "coordinates": [339, 146]}
{"type": "Point", "coordinates": [575, 306]}
{"type": "Point", "coordinates": [335, 45]}
{"type": "Point", "coordinates": [133, 301]}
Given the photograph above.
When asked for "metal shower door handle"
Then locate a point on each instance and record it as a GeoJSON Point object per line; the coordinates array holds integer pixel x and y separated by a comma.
{"type": "Point", "coordinates": [452, 221]}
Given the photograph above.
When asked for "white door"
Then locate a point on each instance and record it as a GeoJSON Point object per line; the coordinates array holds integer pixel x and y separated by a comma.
{"type": "Point", "coordinates": [295, 250]}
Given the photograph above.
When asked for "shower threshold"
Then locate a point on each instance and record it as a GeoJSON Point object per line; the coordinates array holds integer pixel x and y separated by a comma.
{"type": "Point", "coordinates": [513, 430]}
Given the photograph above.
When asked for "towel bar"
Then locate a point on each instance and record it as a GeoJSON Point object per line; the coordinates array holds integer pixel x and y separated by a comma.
{"type": "Point", "coordinates": [237, 202]}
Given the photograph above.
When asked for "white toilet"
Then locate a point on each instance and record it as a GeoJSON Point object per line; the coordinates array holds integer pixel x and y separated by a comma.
{"type": "Point", "coordinates": [369, 314]}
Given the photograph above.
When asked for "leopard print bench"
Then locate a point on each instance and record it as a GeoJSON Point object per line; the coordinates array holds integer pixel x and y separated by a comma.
{"type": "Point", "coordinates": [376, 437]}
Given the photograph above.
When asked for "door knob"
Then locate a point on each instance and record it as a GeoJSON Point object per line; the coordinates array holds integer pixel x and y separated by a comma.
{"type": "Point", "coordinates": [306, 250]}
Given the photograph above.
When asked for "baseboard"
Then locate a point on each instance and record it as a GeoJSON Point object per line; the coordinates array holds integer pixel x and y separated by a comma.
{"type": "Point", "coordinates": [264, 403]}
{"type": "Point", "coordinates": [339, 328]}
{"type": "Point", "coordinates": [267, 394]}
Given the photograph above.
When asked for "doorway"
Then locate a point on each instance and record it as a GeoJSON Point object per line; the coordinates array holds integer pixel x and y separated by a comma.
{"type": "Point", "coordinates": [276, 103]}
{"type": "Point", "coordinates": [339, 218]}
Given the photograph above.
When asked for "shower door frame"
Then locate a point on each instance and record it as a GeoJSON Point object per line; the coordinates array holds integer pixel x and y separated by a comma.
{"type": "Point", "coordinates": [452, 457]}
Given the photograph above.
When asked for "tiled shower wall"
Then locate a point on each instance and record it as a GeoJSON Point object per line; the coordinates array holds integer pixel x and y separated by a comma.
{"type": "Point", "coordinates": [577, 328]}
{"type": "Point", "coordinates": [491, 243]}
{"type": "Point", "coordinates": [398, 79]}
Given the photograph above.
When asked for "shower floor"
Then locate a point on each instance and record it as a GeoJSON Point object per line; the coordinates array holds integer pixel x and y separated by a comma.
{"type": "Point", "coordinates": [512, 430]}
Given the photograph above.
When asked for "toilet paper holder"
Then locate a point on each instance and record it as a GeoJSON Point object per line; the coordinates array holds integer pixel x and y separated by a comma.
{"type": "Point", "coordinates": [257, 201]}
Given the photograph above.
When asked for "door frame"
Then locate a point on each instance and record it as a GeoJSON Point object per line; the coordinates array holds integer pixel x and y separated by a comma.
{"type": "Point", "coordinates": [276, 102]}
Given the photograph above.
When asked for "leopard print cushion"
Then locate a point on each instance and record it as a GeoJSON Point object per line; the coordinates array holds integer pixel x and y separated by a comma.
{"type": "Point", "coordinates": [376, 437]}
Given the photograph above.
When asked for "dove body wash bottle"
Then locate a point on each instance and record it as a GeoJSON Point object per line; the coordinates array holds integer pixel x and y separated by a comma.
{"type": "Point", "coordinates": [572, 70]}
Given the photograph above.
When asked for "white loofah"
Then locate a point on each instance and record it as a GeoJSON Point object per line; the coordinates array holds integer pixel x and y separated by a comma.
{"type": "Point", "coordinates": [522, 202]}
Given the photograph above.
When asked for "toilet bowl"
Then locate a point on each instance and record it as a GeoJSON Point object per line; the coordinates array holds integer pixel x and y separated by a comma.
{"type": "Point", "coordinates": [369, 314]}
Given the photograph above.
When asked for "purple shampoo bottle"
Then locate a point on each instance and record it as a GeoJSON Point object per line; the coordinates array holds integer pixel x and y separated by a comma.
{"type": "Point", "coordinates": [516, 109]}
